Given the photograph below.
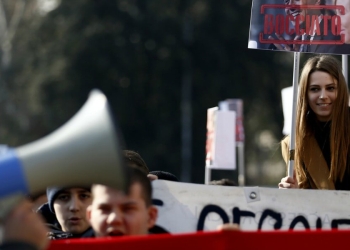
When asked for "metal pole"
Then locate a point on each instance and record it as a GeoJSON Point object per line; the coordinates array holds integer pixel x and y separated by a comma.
{"type": "Point", "coordinates": [207, 175]}
{"type": "Point", "coordinates": [345, 67]}
{"type": "Point", "coordinates": [241, 174]}
{"type": "Point", "coordinates": [295, 97]}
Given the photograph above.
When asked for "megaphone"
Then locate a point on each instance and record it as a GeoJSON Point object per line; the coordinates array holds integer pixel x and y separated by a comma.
{"type": "Point", "coordinates": [83, 151]}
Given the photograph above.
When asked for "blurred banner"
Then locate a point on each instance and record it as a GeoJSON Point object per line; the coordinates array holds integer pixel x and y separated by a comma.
{"type": "Point", "coordinates": [185, 207]}
{"type": "Point", "coordinates": [290, 26]}
{"type": "Point", "coordinates": [221, 139]}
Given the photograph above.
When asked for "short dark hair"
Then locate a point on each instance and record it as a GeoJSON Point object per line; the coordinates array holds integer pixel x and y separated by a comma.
{"type": "Point", "coordinates": [162, 175]}
{"type": "Point", "coordinates": [134, 160]}
{"type": "Point", "coordinates": [223, 182]}
{"type": "Point", "coordinates": [137, 176]}
{"type": "Point", "coordinates": [53, 192]}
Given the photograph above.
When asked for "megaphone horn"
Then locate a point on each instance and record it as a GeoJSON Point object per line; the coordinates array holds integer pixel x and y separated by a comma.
{"type": "Point", "coordinates": [83, 151]}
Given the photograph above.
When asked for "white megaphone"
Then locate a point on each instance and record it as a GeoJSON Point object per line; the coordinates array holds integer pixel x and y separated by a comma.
{"type": "Point", "coordinates": [83, 151]}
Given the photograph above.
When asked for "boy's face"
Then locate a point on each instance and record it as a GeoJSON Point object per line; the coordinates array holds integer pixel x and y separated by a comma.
{"type": "Point", "coordinates": [113, 213]}
{"type": "Point", "coordinates": [70, 209]}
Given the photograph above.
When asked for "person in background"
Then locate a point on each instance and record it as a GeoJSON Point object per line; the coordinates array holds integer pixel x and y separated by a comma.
{"type": "Point", "coordinates": [65, 213]}
{"type": "Point", "coordinates": [134, 160]}
{"type": "Point", "coordinates": [38, 200]}
{"type": "Point", "coordinates": [223, 182]}
{"type": "Point", "coordinates": [322, 128]}
{"type": "Point", "coordinates": [162, 175]}
{"type": "Point", "coordinates": [113, 213]}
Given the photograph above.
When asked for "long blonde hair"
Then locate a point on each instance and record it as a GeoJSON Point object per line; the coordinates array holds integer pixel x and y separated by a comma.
{"type": "Point", "coordinates": [340, 126]}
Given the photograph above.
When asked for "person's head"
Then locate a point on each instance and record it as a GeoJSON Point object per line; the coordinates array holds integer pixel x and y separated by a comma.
{"type": "Point", "coordinates": [69, 205]}
{"type": "Point", "coordinates": [38, 200]}
{"type": "Point", "coordinates": [323, 91]}
{"type": "Point", "coordinates": [113, 213]}
{"type": "Point", "coordinates": [323, 97]}
{"type": "Point", "coordinates": [162, 175]}
{"type": "Point", "coordinates": [134, 160]}
{"type": "Point", "coordinates": [345, 19]}
{"type": "Point", "coordinates": [301, 13]}
{"type": "Point", "coordinates": [223, 182]}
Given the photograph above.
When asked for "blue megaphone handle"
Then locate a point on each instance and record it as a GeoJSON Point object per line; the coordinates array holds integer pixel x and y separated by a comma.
{"type": "Point", "coordinates": [12, 177]}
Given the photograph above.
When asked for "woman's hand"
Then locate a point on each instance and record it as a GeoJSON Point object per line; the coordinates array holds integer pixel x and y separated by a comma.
{"type": "Point", "coordinates": [288, 182]}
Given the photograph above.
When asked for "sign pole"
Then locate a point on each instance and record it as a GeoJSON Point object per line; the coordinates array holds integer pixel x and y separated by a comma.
{"type": "Point", "coordinates": [241, 174]}
{"type": "Point", "coordinates": [345, 67]}
{"type": "Point", "coordinates": [295, 100]}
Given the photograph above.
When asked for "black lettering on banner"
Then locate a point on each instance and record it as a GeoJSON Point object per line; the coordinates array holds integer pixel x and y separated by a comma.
{"type": "Point", "coordinates": [318, 223]}
{"type": "Point", "coordinates": [336, 223]}
{"type": "Point", "coordinates": [300, 219]}
{"type": "Point", "coordinates": [273, 214]}
{"type": "Point", "coordinates": [211, 209]}
{"type": "Point", "coordinates": [237, 214]}
{"type": "Point", "coordinates": [157, 202]}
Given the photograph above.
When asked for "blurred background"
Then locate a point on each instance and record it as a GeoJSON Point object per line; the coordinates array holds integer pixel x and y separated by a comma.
{"type": "Point", "coordinates": [162, 64]}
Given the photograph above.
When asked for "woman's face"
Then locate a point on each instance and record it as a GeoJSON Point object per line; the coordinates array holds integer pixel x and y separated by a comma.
{"type": "Point", "coordinates": [322, 92]}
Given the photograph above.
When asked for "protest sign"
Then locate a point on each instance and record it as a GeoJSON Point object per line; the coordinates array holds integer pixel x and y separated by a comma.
{"type": "Point", "coordinates": [287, 105]}
{"type": "Point", "coordinates": [221, 139]}
{"type": "Point", "coordinates": [185, 207]}
{"type": "Point", "coordinates": [292, 26]}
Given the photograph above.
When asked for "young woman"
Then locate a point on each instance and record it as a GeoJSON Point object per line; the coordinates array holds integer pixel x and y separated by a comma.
{"type": "Point", "coordinates": [322, 128]}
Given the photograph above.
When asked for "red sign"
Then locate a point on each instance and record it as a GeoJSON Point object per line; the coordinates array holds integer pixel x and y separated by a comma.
{"type": "Point", "coordinates": [318, 27]}
{"type": "Point", "coordinates": [281, 24]}
{"type": "Point", "coordinates": [214, 240]}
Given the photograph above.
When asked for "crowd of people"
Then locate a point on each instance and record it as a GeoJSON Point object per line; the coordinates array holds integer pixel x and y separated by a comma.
{"type": "Point", "coordinates": [89, 211]}
{"type": "Point", "coordinates": [321, 162]}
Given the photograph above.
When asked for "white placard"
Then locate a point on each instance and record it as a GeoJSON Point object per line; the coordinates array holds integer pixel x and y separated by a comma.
{"type": "Point", "coordinates": [225, 140]}
{"type": "Point", "coordinates": [185, 207]}
{"type": "Point", "coordinates": [287, 104]}
{"type": "Point", "coordinates": [221, 139]}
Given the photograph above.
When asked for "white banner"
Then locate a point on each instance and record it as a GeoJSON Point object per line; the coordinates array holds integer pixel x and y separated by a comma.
{"type": "Point", "coordinates": [185, 207]}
